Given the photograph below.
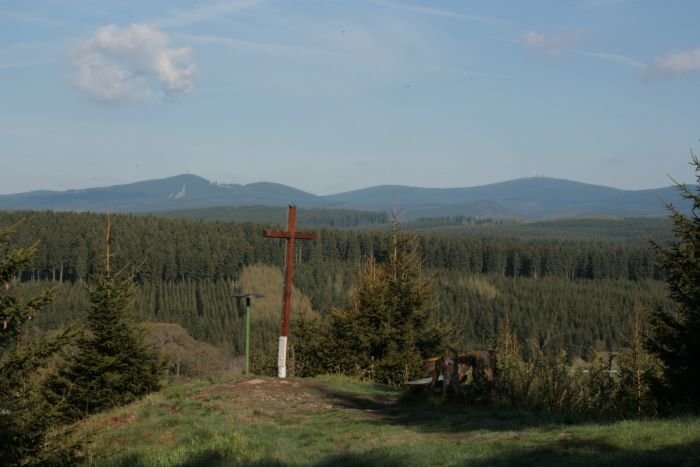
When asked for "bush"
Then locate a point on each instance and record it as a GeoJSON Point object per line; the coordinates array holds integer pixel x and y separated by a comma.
{"type": "Point", "coordinates": [613, 386]}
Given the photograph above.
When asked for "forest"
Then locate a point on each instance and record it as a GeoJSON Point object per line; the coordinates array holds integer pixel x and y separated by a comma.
{"type": "Point", "coordinates": [575, 294]}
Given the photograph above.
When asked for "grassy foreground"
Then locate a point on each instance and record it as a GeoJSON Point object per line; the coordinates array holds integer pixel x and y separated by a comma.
{"type": "Point", "coordinates": [336, 421]}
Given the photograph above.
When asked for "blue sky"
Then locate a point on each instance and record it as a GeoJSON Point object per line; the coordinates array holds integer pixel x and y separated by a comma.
{"type": "Point", "coordinates": [329, 96]}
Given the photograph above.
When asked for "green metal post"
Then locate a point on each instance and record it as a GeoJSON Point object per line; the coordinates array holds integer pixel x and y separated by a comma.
{"type": "Point", "coordinates": [247, 335]}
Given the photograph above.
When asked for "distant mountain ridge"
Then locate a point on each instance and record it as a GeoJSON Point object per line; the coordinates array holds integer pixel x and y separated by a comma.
{"type": "Point", "coordinates": [178, 192]}
{"type": "Point", "coordinates": [529, 198]}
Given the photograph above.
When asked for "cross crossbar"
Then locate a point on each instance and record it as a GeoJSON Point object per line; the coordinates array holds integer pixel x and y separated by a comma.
{"type": "Point", "coordinates": [286, 234]}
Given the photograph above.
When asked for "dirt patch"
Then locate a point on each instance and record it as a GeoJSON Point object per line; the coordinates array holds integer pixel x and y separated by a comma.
{"type": "Point", "coordinates": [288, 388]}
{"type": "Point", "coordinates": [272, 393]}
{"type": "Point", "coordinates": [288, 397]}
{"type": "Point", "coordinates": [255, 381]}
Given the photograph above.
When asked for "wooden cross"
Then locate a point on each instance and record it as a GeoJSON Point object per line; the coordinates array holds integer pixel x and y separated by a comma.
{"type": "Point", "coordinates": [290, 234]}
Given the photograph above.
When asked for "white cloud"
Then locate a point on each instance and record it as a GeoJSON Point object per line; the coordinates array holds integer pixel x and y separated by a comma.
{"type": "Point", "coordinates": [132, 62]}
{"type": "Point", "coordinates": [676, 64]}
{"type": "Point", "coordinates": [553, 45]}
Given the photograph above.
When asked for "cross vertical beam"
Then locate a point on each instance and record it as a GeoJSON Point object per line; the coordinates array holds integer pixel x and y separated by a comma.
{"type": "Point", "coordinates": [290, 235]}
{"type": "Point", "coordinates": [288, 271]}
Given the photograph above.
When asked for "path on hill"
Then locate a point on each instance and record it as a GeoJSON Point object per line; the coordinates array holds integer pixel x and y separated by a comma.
{"type": "Point", "coordinates": [298, 397]}
{"type": "Point", "coordinates": [338, 421]}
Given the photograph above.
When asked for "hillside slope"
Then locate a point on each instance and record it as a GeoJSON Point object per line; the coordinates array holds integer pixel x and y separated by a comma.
{"type": "Point", "coordinates": [336, 421]}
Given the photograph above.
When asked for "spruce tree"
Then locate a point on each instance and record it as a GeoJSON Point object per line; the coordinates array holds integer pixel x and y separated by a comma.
{"type": "Point", "coordinates": [676, 334]}
{"type": "Point", "coordinates": [26, 416]}
{"type": "Point", "coordinates": [113, 364]}
{"type": "Point", "coordinates": [389, 326]}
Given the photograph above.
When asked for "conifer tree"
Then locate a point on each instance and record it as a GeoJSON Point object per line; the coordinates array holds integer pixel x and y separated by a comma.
{"type": "Point", "coordinates": [25, 414]}
{"type": "Point", "coordinates": [676, 334]}
{"type": "Point", "coordinates": [389, 326]}
{"type": "Point", "coordinates": [114, 364]}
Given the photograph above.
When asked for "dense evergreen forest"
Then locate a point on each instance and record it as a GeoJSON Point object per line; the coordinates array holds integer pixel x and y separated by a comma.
{"type": "Point", "coordinates": [336, 218]}
{"type": "Point", "coordinates": [572, 294]}
{"type": "Point", "coordinates": [637, 230]}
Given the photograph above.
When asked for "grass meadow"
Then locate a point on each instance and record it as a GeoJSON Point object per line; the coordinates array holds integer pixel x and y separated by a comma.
{"type": "Point", "coordinates": [336, 421]}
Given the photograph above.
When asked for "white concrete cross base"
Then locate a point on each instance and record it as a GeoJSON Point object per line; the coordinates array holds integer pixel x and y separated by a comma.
{"type": "Point", "coordinates": [282, 358]}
